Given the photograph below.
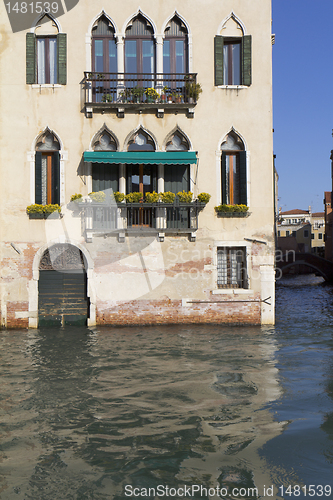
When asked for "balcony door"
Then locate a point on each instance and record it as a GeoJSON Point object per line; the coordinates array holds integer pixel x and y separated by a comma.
{"type": "Point", "coordinates": [104, 60]}
{"type": "Point", "coordinates": [139, 53]}
{"type": "Point", "coordinates": [175, 54]}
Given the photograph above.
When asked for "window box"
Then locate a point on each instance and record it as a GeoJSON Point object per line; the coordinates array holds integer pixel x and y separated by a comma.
{"type": "Point", "coordinates": [233, 214]}
{"type": "Point", "coordinates": [232, 210]}
{"type": "Point", "coordinates": [37, 211]}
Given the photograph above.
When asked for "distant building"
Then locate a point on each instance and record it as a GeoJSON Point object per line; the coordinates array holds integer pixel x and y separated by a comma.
{"type": "Point", "coordinates": [328, 225]}
{"type": "Point", "coordinates": [302, 231]}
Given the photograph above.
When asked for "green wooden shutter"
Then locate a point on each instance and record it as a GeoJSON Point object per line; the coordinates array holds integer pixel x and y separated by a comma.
{"type": "Point", "coordinates": [105, 176]}
{"type": "Point", "coordinates": [56, 178]}
{"type": "Point", "coordinates": [224, 178]}
{"type": "Point", "coordinates": [38, 177]}
{"type": "Point", "coordinates": [30, 58]}
{"type": "Point", "coordinates": [242, 178]}
{"type": "Point", "coordinates": [218, 58]}
{"type": "Point", "coordinates": [176, 178]}
{"type": "Point", "coordinates": [62, 58]}
{"type": "Point", "coordinates": [246, 60]}
{"type": "Point", "coordinates": [128, 179]}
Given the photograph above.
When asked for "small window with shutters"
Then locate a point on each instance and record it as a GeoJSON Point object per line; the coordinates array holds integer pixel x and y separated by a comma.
{"type": "Point", "coordinates": [233, 171]}
{"type": "Point", "coordinates": [47, 170]}
{"type": "Point", "coordinates": [46, 54]}
{"type": "Point", "coordinates": [233, 55]}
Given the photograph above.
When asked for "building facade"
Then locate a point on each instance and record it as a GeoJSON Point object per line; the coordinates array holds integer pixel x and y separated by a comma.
{"type": "Point", "coordinates": [302, 231]}
{"type": "Point", "coordinates": [114, 99]}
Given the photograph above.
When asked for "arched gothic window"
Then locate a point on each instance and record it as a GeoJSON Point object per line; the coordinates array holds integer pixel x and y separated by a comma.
{"type": "Point", "coordinates": [177, 142]}
{"type": "Point", "coordinates": [233, 169]}
{"type": "Point", "coordinates": [140, 49]}
{"type": "Point", "coordinates": [46, 54]}
{"type": "Point", "coordinates": [47, 170]}
{"type": "Point", "coordinates": [104, 58]}
{"type": "Point", "coordinates": [141, 178]}
{"type": "Point", "coordinates": [105, 176]}
{"type": "Point", "coordinates": [175, 53]}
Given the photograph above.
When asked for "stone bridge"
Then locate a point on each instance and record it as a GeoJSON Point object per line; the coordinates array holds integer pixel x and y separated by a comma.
{"type": "Point", "coordinates": [318, 264]}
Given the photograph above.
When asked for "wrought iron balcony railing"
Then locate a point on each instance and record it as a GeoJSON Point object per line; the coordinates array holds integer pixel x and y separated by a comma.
{"type": "Point", "coordinates": [114, 90]}
{"type": "Point", "coordinates": [140, 217]}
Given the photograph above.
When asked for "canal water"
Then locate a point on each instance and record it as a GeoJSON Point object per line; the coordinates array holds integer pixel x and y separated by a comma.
{"type": "Point", "coordinates": [172, 412]}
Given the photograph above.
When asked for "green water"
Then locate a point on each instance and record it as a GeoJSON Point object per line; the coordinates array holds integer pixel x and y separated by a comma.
{"type": "Point", "coordinates": [109, 413]}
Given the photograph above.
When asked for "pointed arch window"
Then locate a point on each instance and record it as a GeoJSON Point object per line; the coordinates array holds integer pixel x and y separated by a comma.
{"type": "Point", "coordinates": [47, 170]}
{"type": "Point", "coordinates": [46, 56]}
{"type": "Point", "coordinates": [175, 51]}
{"type": "Point", "coordinates": [105, 176]}
{"type": "Point", "coordinates": [233, 169]}
{"type": "Point", "coordinates": [177, 177]}
{"type": "Point", "coordinates": [104, 48]}
{"type": "Point", "coordinates": [141, 178]}
{"type": "Point", "coordinates": [104, 59]}
{"type": "Point", "coordinates": [140, 47]}
{"type": "Point", "coordinates": [233, 56]}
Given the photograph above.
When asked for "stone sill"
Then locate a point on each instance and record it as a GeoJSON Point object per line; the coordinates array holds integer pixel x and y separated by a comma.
{"type": "Point", "coordinates": [46, 86]}
{"type": "Point", "coordinates": [232, 291]}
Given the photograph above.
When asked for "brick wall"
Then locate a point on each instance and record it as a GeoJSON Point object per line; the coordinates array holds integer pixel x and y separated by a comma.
{"type": "Point", "coordinates": [15, 314]}
{"type": "Point", "coordinates": [154, 312]}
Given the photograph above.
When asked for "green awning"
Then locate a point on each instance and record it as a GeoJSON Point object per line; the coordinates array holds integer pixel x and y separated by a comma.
{"type": "Point", "coordinates": [137, 157]}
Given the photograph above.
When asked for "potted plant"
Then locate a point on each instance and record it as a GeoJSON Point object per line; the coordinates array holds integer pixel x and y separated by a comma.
{"type": "Point", "coordinates": [137, 93]}
{"type": "Point", "coordinates": [193, 91]}
{"type": "Point", "coordinates": [118, 197]}
{"type": "Point", "coordinates": [98, 197]}
{"type": "Point", "coordinates": [204, 197]}
{"type": "Point", "coordinates": [107, 98]}
{"type": "Point", "coordinates": [152, 197]}
{"type": "Point", "coordinates": [36, 211]}
{"type": "Point", "coordinates": [185, 197]}
{"type": "Point", "coordinates": [151, 94]}
{"type": "Point", "coordinates": [225, 210]}
{"type": "Point", "coordinates": [167, 197]}
{"type": "Point", "coordinates": [163, 94]}
{"type": "Point", "coordinates": [135, 197]}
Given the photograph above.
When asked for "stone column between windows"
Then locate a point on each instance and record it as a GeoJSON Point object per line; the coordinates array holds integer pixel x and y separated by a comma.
{"type": "Point", "coordinates": [159, 62]}
{"type": "Point", "coordinates": [160, 178]}
{"type": "Point", "coordinates": [120, 41]}
{"type": "Point", "coordinates": [122, 178]}
{"type": "Point", "coordinates": [89, 176]}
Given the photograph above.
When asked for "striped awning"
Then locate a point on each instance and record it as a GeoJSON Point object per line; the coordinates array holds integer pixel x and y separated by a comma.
{"type": "Point", "coordinates": [138, 157]}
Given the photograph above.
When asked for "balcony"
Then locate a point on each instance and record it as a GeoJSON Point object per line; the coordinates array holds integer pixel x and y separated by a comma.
{"type": "Point", "coordinates": [140, 93]}
{"type": "Point", "coordinates": [140, 218]}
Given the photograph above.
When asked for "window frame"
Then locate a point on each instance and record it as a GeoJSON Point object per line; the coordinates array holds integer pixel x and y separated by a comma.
{"type": "Point", "coordinates": [48, 193]}
{"type": "Point", "coordinates": [232, 282]}
{"type": "Point", "coordinates": [246, 60]}
{"type": "Point", "coordinates": [47, 60]}
{"type": "Point", "coordinates": [32, 59]}
{"type": "Point", "coordinates": [241, 159]}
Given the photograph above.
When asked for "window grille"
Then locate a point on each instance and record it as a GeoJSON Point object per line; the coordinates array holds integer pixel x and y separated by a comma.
{"type": "Point", "coordinates": [231, 267]}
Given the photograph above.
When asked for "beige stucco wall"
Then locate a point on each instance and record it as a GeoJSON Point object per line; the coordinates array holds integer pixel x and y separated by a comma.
{"type": "Point", "coordinates": [27, 110]}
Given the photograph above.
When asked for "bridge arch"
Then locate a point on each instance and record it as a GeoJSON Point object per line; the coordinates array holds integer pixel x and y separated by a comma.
{"type": "Point", "coordinates": [322, 266]}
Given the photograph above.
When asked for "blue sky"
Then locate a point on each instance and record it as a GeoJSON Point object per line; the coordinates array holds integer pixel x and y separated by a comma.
{"type": "Point", "coordinates": [302, 100]}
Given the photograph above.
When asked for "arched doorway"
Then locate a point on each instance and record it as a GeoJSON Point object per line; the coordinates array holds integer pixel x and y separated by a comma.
{"type": "Point", "coordinates": [62, 287]}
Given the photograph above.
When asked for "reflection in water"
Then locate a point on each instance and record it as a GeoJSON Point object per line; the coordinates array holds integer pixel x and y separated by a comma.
{"type": "Point", "coordinates": [86, 412]}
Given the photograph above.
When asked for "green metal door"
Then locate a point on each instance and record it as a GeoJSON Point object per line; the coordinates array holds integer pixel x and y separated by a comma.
{"type": "Point", "coordinates": [62, 287]}
{"type": "Point", "coordinates": [62, 298]}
